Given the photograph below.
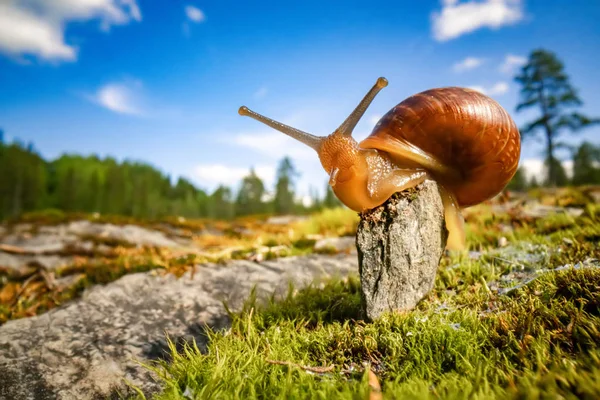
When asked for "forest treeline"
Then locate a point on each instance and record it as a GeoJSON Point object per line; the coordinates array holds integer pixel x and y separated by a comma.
{"type": "Point", "coordinates": [91, 184]}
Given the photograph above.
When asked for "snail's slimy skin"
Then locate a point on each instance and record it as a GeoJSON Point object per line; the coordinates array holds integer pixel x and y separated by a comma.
{"type": "Point", "coordinates": [365, 178]}
{"type": "Point", "coordinates": [460, 138]}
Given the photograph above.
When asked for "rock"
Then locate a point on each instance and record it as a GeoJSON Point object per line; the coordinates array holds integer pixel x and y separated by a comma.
{"type": "Point", "coordinates": [17, 264]}
{"type": "Point", "coordinates": [502, 241]}
{"type": "Point", "coordinates": [285, 219]}
{"type": "Point", "coordinates": [54, 246]}
{"type": "Point", "coordinates": [87, 348]}
{"type": "Point", "coordinates": [517, 280]}
{"type": "Point", "coordinates": [594, 193]}
{"type": "Point", "coordinates": [400, 245]}
{"type": "Point", "coordinates": [336, 244]}
{"type": "Point", "coordinates": [127, 233]}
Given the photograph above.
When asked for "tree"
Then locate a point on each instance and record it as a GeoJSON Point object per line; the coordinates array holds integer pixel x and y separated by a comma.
{"type": "Point", "coordinates": [560, 175]}
{"type": "Point", "coordinates": [249, 198]}
{"type": "Point", "coordinates": [220, 203]}
{"type": "Point", "coordinates": [518, 182]}
{"type": "Point", "coordinates": [533, 183]}
{"type": "Point", "coordinates": [284, 188]}
{"type": "Point", "coordinates": [315, 200]}
{"type": "Point", "coordinates": [546, 86]}
{"type": "Point", "coordinates": [89, 184]}
{"type": "Point", "coordinates": [330, 200]}
{"type": "Point", "coordinates": [584, 170]}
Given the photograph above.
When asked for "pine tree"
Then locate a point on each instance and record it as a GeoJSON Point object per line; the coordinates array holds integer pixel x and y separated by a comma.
{"type": "Point", "coordinates": [518, 182]}
{"type": "Point", "coordinates": [331, 200]}
{"type": "Point", "coordinates": [250, 195]}
{"type": "Point", "coordinates": [585, 161]}
{"type": "Point", "coordinates": [284, 188]}
{"type": "Point", "coordinates": [220, 204]}
{"type": "Point", "coordinates": [545, 85]}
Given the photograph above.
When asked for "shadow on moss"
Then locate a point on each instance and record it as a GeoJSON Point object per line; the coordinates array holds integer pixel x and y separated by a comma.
{"type": "Point", "coordinates": [337, 300]}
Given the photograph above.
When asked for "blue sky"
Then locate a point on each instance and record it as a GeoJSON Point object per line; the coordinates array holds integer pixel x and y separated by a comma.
{"type": "Point", "coordinates": [161, 82]}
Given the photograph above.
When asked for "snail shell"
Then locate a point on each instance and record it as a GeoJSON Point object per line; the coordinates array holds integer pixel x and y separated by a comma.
{"type": "Point", "coordinates": [474, 143]}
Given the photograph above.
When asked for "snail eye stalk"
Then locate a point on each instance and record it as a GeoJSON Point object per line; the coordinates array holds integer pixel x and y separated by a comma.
{"type": "Point", "coordinates": [349, 124]}
{"type": "Point", "coordinates": [306, 138]}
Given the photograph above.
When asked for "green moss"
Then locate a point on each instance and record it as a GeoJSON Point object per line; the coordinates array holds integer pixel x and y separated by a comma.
{"type": "Point", "coordinates": [539, 342]}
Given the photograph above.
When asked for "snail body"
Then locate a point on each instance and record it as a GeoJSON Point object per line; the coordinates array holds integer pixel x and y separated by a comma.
{"type": "Point", "coordinates": [460, 138]}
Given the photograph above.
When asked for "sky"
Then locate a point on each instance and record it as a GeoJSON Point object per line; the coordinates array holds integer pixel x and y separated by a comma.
{"type": "Point", "coordinates": [161, 82]}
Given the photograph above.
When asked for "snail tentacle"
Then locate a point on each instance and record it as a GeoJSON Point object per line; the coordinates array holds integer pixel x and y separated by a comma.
{"type": "Point", "coordinates": [310, 140]}
{"type": "Point", "coordinates": [349, 124]}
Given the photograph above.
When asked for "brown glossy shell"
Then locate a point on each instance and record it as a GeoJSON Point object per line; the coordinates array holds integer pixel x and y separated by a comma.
{"type": "Point", "coordinates": [463, 129]}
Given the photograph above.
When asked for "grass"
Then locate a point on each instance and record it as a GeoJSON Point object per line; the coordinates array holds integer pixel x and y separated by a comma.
{"type": "Point", "coordinates": [465, 340]}
{"type": "Point", "coordinates": [330, 222]}
{"type": "Point", "coordinates": [540, 342]}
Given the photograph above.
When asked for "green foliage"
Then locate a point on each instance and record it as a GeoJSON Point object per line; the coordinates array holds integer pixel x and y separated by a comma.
{"type": "Point", "coordinates": [539, 342]}
{"type": "Point", "coordinates": [249, 200]}
{"type": "Point", "coordinates": [558, 176]}
{"type": "Point", "coordinates": [22, 179]}
{"type": "Point", "coordinates": [338, 221]}
{"type": "Point", "coordinates": [331, 200]}
{"type": "Point", "coordinates": [74, 183]}
{"type": "Point", "coordinates": [518, 182]}
{"type": "Point", "coordinates": [545, 85]}
{"type": "Point", "coordinates": [585, 164]}
{"type": "Point", "coordinates": [284, 188]}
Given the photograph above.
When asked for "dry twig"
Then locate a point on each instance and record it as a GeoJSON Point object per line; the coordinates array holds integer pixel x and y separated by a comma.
{"type": "Point", "coordinates": [318, 370]}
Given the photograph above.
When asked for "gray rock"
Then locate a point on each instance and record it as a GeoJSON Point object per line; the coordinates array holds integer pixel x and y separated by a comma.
{"type": "Point", "coordinates": [338, 244]}
{"type": "Point", "coordinates": [399, 248]}
{"type": "Point", "coordinates": [285, 219]}
{"type": "Point", "coordinates": [129, 233]}
{"type": "Point", "coordinates": [19, 263]}
{"type": "Point", "coordinates": [86, 349]}
{"type": "Point", "coordinates": [53, 246]}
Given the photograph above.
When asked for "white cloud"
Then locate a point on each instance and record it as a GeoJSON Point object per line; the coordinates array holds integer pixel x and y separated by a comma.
{"type": "Point", "coordinates": [194, 14]}
{"type": "Point", "coordinates": [261, 93]}
{"type": "Point", "coordinates": [468, 64]}
{"type": "Point", "coordinates": [37, 27]}
{"type": "Point", "coordinates": [459, 18]}
{"type": "Point", "coordinates": [534, 167]}
{"type": "Point", "coordinates": [306, 200]}
{"type": "Point", "coordinates": [120, 97]}
{"type": "Point", "coordinates": [231, 176]}
{"type": "Point", "coordinates": [498, 89]}
{"type": "Point", "coordinates": [512, 61]}
{"type": "Point", "coordinates": [478, 88]}
{"type": "Point", "coordinates": [374, 119]}
{"type": "Point", "coordinates": [568, 166]}
{"type": "Point", "coordinates": [273, 144]}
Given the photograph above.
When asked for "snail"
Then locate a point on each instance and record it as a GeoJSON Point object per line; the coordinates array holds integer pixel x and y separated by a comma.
{"type": "Point", "coordinates": [461, 138]}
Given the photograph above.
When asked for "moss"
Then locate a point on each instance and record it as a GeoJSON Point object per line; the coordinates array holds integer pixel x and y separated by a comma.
{"type": "Point", "coordinates": [464, 340]}
{"type": "Point", "coordinates": [304, 243]}
{"type": "Point", "coordinates": [330, 222]}
{"type": "Point", "coordinates": [540, 342]}
{"type": "Point", "coordinates": [107, 241]}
